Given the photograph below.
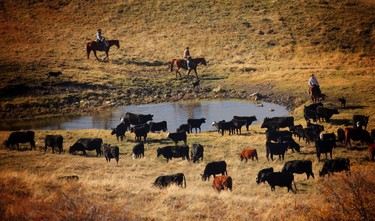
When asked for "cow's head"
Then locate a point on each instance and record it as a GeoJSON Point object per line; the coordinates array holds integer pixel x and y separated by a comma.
{"type": "Point", "coordinates": [159, 150]}
{"type": "Point", "coordinates": [6, 143]}
{"type": "Point", "coordinates": [113, 131]}
{"type": "Point", "coordinates": [204, 177]}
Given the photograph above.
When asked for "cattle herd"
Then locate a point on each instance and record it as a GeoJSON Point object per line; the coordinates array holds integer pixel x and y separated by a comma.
{"type": "Point", "coordinates": [277, 142]}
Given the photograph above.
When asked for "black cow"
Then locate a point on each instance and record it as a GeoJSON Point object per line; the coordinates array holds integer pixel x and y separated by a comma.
{"type": "Point", "coordinates": [326, 113]}
{"type": "Point", "coordinates": [111, 152]}
{"type": "Point", "coordinates": [299, 166]}
{"type": "Point", "coordinates": [340, 135]}
{"type": "Point", "coordinates": [335, 165]}
{"type": "Point", "coordinates": [299, 131]}
{"type": "Point", "coordinates": [309, 112]}
{"type": "Point", "coordinates": [84, 144]}
{"type": "Point", "coordinates": [53, 74]}
{"type": "Point", "coordinates": [214, 168]}
{"type": "Point", "coordinates": [196, 123]}
{"type": "Point", "coordinates": [183, 128]}
{"type": "Point", "coordinates": [15, 138]}
{"type": "Point", "coordinates": [165, 181]}
{"type": "Point", "coordinates": [196, 152]}
{"type": "Point", "coordinates": [238, 124]}
{"type": "Point", "coordinates": [120, 131]}
{"type": "Point", "coordinates": [317, 128]}
{"type": "Point", "coordinates": [138, 150]}
{"type": "Point", "coordinates": [178, 136]}
{"type": "Point", "coordinates": [158, 126]}
{"type": "Point", "coordinates": [170, 152]}
{"type": "Point", "coordinates": [356, 134]}
{"type": "Point", "coordinates": [311, 136]}
{"type": "Point", "coordinates": [342, 101]}
{"type": "Point", "coordinates": [140, 131]}
{"type": "Point", "coordinates": [276, 149]}
{"type": "Point", "coordinates": [136, 119]}
{"type": "Point", "coordinates": [249, 120]}
{"type": "Point", "coordinates": [324, 146]}
{"type": "Point", "coordinates": [276, 135]}
{"type": "Point", "coordinates": [373, 135]}
{"type": "Point", "coordinates": [329, 136]}
{"type": "Point", "coordinates": [360, 121]}
{"type": "Point", "coordinates": [279, 179]}
{"type": "Point", "coordinates": [280, 122]}
{"type": "Point", "coordinates": [53, 141]}
{"type": "Point", "coordinates": [262, 173]}
{"type": "Point", "coordinates": [223, 126]}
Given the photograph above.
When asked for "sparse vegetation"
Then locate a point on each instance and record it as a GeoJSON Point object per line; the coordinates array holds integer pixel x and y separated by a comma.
{"type": "Point", "coordinates": [269, 47]}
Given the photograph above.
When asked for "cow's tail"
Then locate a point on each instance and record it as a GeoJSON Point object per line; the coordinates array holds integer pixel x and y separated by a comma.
{"type": "Point", "coordinates": [183, 176]}
{"type": "Point", "coordinates": [256, 154]}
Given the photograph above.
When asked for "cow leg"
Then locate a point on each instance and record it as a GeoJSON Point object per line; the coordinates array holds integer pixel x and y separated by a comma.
{"type": "Point", "coordinates": [53, 149]}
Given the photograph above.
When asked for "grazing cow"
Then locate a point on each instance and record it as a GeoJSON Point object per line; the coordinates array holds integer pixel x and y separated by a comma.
{"type": "Point", "coordinates": [53, 74]}
{"type": "Point", "coordinates": [326, 113]}
{"type": "Point", "coordinates": [177, 136]}
{"type": "Point", "coordinates": [140, 131]}
{"type": "Point", "coordinates": [138, 150]}
{"type": "Point", "coordinates": [324, 146]}
{"type": "Point", "coordinates": [15, 138]}
{"type": "Point", "coordinates": [356, 134]}
{"type": "Point", "coordinates": [340, 135]}
{"type": "Point", "coordinates": [279, 179]}
{"type": "Point", "coordinates": [371, 151]}
{"type": "Point", "coordinates": [276, 149]}
{"type": "Point", "coordinates": [360, 121]}
{"type": "Point", "coordinates": [342, 102]}
{"type": "Point", "coordinates": [329, 136]}
{"type": "Point", "coordinates": [238, 124]}
{"type": "Point", "coordinates": [166, 180]}
{"type": "Point", "coordinates": [196, 152]}
{"type": "Point", "coordinates": [281, 122]}
{"type": "Point", "coordinates": [262, 173]}
{"type": "Point", "coordinates": [196, 123]}
{"type": "Point", "coordinates": [136, 119]}
{"type": "Point", "coordinates": [214, 168]}
{"type": "Point", "coordinates": [158, 126]}
{"type": "Point", "coordinates": [299, 166]}
{"type": "Point", "coordinates": [84, 144]}
{"type": "Point", "coordinates": [222, 183]}
{"type": "Point", "coordinates": [120, 131]}
{"type": "Point", "coordinates": [223, 126]}
{"type": "Point", "coordinates": [249, 153]}
{"type": "Point", "coordinates": [293, 145]}
{"type": "Point", "coordinates": [276, 135]}
{"type": "Point", "coordinates": [311, 136]}
{"type": "Point", "coordinates": [183, 128]}
{"type": "Point", "coordinates": [336, 165]}
{"type": "Point", "coordinates": [169, 152]}
{"type": "Point", "coordinates": [309, 112]}
{"type": "Point", "coordinates": [111, 152]}
{"type": "Point", "coordinates": [317, 128]}
{"type": "Point", "coordinates": [249, 120]}
{"type": "Point", "coordinates": [53, 141]}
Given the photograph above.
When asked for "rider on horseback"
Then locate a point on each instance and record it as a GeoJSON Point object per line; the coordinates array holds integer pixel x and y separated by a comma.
{"type": "Point", "coordinates": [313, 83]}
{"type": "Point", "coordinates": [187, 57]}
{"type": "Point", "coordinates": [100, 39]}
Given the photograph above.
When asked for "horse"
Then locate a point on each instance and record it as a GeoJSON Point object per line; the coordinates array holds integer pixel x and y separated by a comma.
{"type": "Point", "coordinates": [94, 46]}
{"type": "Point", "coordinates": [181, 63]}
{"type": "Point", "coordinates": [316, 95]}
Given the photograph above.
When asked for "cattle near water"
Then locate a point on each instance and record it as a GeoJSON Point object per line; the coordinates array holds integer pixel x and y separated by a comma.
{"type": "Point", "coordinates": [17, 137]}
{"type": "Point", "coordinates": [84, 144]}
{"type": "Point", "coordinates": [196, 152]}
{"type": "Point", "coordinates": [138, 150]}
{"type": "Point", "coordinates": [54, 141]}
{"type": "Point", "coordinates": [275, 123]}
{"type": "Point", "coordinates": [170, 152]}
{"type": "Point", "coordinates": [111, 152]}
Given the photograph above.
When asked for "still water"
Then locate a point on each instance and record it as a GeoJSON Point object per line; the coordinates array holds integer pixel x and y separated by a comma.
{"type": "Point", "coordinates": [174, 113]}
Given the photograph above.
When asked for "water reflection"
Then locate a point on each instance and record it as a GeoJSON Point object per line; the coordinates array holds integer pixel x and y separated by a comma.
{"type": "Point", "coordinates": [174, 113]}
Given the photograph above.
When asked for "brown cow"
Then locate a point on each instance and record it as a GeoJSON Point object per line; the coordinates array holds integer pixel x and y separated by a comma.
{"type": "Point", "coordinates": [222, 183]}
{"type": "Point", "coordinates": [371, 151]}
{"type": "Point", "coordinates": [356, 134]}
{"type": "Point", "coordinates": [246, 154]}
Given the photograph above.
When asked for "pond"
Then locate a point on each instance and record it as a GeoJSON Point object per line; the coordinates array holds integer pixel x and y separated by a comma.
{"type": "Point", "coordinates": [174, 113]}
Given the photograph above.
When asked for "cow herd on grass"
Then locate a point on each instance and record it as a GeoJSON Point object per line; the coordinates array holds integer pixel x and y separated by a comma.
{"type": "Point", "coordinates": [278, 141]}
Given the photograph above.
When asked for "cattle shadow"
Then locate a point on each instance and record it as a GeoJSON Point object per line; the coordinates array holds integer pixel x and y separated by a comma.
{"type": "Point", "coordinates": [345, 122]}
{"type": "Point", "coordinates": [358, 148]}
{"type": "Point", "coordinates": [151, 141]}
{"type": "Point", "coordinates": [354, 107]}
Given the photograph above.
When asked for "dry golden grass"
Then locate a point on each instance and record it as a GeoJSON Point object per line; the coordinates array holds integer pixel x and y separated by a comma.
{"type": "Point", "coordinates": [125, 191]}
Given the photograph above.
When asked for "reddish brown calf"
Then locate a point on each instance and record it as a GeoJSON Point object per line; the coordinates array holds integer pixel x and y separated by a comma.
{"type": "Point", "coordinates": [222, 183]}
{"type": "Point", "coordinates": [249, 153]}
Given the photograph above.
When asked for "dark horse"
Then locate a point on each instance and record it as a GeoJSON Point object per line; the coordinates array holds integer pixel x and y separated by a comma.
{"type": "Point", "coordinates": [94, 46]}
{"type": "Point", "coordinates": [316, 95]}
{"type": "Point", "coordinates": [181, 63]}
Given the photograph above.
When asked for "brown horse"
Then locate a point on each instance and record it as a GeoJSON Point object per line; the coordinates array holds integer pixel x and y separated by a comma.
{"type": "Point", "coordinates": [316, 95]}
{"type": "Point", "coordinates": [94, 46]}
{"type": "Point", "coordinates": [181, 63]}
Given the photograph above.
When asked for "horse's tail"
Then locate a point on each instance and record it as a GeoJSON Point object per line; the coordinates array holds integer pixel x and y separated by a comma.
{"type": "Point", "coordinates": [172, 62]}
{"type": "Point", "coordinates": [88, 49]}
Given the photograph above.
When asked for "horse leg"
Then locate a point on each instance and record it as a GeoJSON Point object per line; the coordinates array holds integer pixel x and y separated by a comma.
{"type": "Point", "coordinates": [106, 57]}
{"type": "Point", "coordinates": [96, 56]}
{"type": "Point", "coordinates": [196, 74]}
{"type": "Point", "coordinates": [178, 72]}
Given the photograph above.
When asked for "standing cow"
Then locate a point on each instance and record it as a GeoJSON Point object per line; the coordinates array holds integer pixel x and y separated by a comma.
{"type": "Point", "coordinates": [222, 183]}
{"type": "Point", "coordinates": [299, 166]}
{"type": "Point", "coordinates": [214, 168]}
{"type": "Point", "coordinates": [196, 152]}
{"type": "Point", "coordinates": [249, 153]}
{"type": "Point", "coordinates": [279, 179]}
{"type": "Point", "coordinates": [111, 152]}
{"type": "Point", "coordinates": [15, 138]}
{"type": "Point", "coordinates": [166, 180]}
{"type": "Point", "coordinates": [138, 150]}
{"type": "Point", "coordinates": [196, 123]}
{"type": "Point", "coordinates": [53, 141]}
{"type": "Point", "coordinates": [84, 144]}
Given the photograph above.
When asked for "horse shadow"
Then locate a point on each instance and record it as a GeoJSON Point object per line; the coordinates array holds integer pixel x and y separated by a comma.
{"type": "Point", "coordinates": [147, 63]}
